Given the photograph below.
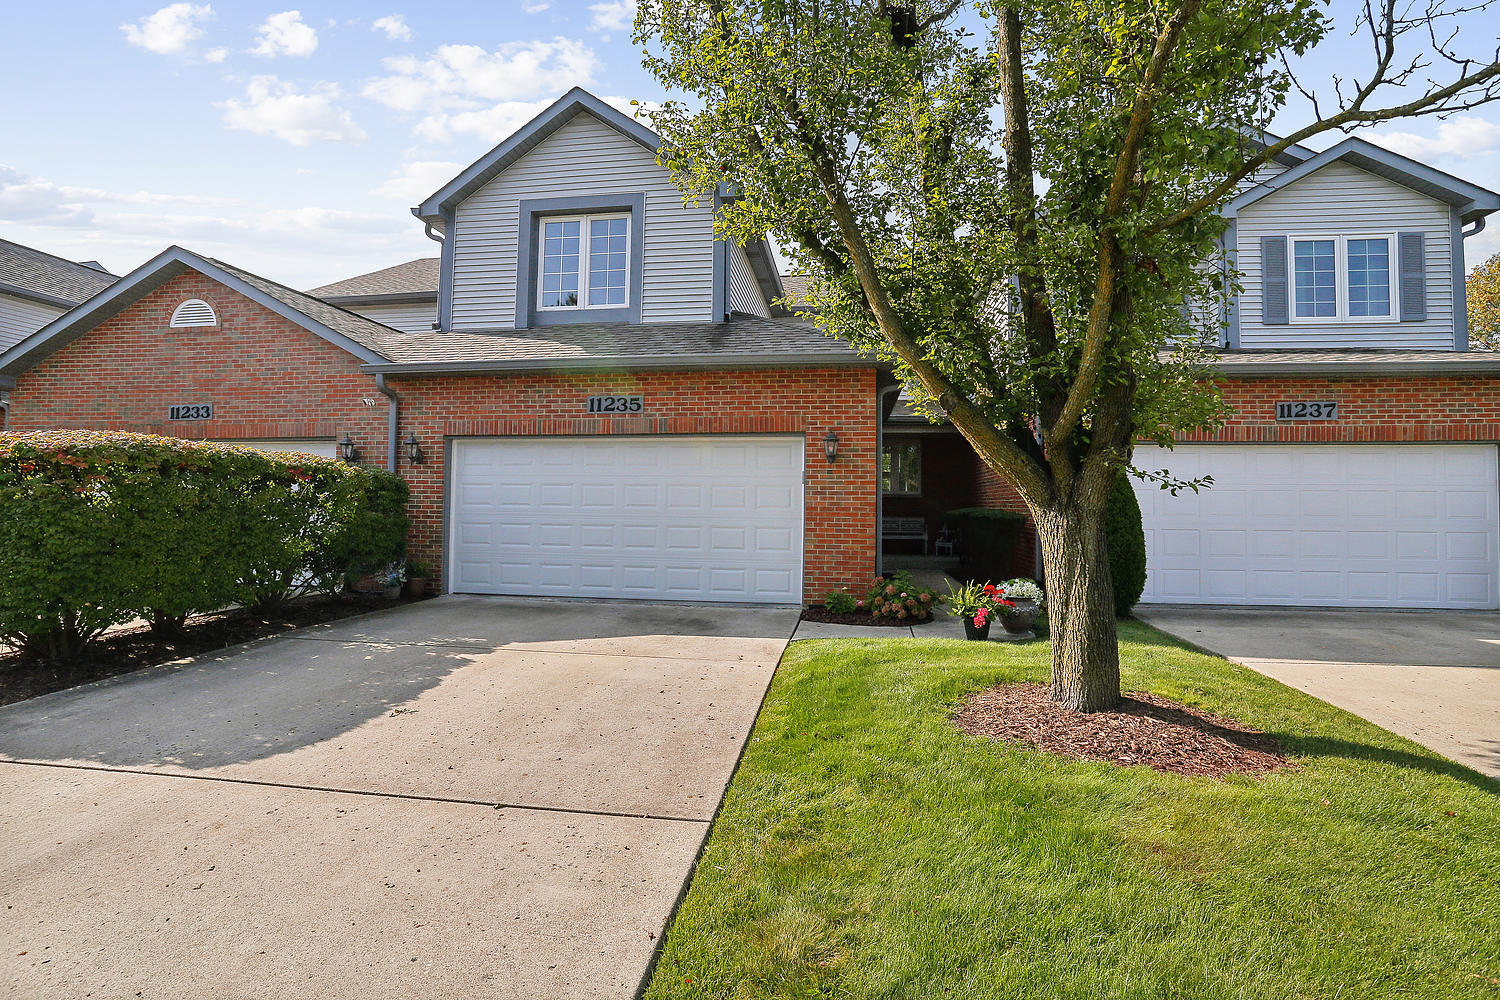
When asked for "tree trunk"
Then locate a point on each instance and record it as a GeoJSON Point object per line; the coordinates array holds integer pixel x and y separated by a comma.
{"type": "Point", "coordinates": [1080, 607]}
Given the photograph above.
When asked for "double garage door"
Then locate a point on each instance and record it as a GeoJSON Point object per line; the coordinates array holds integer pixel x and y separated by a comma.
{"type": "Point", "coordinates": [712, 518]}
{"type": "Point", "coordinates": [1325, 525]}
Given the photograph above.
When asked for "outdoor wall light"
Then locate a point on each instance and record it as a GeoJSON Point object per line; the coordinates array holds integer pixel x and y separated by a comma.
{"type": "Point", "coordinates": [831, 446]}
{"type": "Point", "coordinates": [347, 451]}
{"type": "Point", "coordinates": [413, 449]}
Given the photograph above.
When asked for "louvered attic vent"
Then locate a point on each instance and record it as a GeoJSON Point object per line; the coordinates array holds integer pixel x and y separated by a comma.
{"type": "Point", "coordinates": [194, 312]}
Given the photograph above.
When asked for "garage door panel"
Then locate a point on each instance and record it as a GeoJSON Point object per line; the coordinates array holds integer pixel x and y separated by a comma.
{"type": "Point", "coordinates": [682, 518]}
{"type": "Point", "coordinates": [1399, 525]}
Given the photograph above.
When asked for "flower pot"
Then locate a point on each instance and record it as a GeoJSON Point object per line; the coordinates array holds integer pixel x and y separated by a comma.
{"type": "Point", "coordinates": [393, 592]}
{"type": "Point", "coordinates": [1019, 621]}
{"type": "Point", "coordinates": [976, 633]}
{"type": "Point", "coordinates": [414, 588]}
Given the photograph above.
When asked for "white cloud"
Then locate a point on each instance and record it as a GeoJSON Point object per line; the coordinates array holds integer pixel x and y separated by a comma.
{"type": "Point", "coordinates": [1458, 137]}
{"type": "Point", "coordinates": [416, 180]}
{"type": "Point", "coordinates": [492, 123]}
{"type": "Point", "coordinates": [394, 26]}
{"type": "Point", "coordinates": [536, 7]}
{"type": "Point", "coordinates": [285, 34]}
{"type": "Point", "coordinates": [275, 107]}
{"type": "Point", "coordinates": [170, 30]}
{"type": "Point", "coordinates": [613, 15]}
{"type": "Point", "coordinates": [215, 55]}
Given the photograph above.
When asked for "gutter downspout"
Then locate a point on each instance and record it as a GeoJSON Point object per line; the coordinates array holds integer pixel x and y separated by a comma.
{"type": "Point", "coordinates": [390, 420]}
{"type": "Point", "coordinates": [880, 476]}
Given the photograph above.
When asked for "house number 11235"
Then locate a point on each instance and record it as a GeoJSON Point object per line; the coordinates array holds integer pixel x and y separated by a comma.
{"type": "Point", "coordinates": [616, 404]}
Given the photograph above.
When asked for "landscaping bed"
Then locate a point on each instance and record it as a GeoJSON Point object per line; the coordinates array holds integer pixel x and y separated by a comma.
{"type": "Point", "coordinates": [127, 649]}
{"type": "Point", "coordinates": [819, 614]}
{"type": "Point", "coordinates": [868, 847]}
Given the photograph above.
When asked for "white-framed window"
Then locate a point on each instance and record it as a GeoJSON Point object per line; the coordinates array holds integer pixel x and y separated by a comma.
{"type": "Point", "coordinates": [1343, 279]}
{"type": "Point", "coordinates": [901, 469]}
{"type": "Point", "coordinates": [584, 262]}
{"type": "Point", "coordinates": [194, 312]}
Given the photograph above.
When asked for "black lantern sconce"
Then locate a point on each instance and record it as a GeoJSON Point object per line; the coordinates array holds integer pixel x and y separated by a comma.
{"type": "Point", "coordinates": [347, 451]}
{"type": "Point", "coordinates": [831, 446]}
{"type": "Point", "coordinates": [413, 449]}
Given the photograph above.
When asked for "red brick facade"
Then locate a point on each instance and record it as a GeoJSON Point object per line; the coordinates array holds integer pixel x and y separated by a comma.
{"type": "Point", "coordinates": [269, 378]}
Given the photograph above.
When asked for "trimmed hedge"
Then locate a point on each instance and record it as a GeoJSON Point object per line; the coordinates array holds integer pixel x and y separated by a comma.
{"type": "Point", "coordinates": [99, 527]}
{"type": "Point", "coordinates": [1126, 538]}
{"type": "Point", "coordinates": [988, 539]}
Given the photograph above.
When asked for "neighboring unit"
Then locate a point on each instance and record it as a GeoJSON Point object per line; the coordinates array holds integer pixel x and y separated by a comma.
{"type": "Point", "coordinates": [404, 297]}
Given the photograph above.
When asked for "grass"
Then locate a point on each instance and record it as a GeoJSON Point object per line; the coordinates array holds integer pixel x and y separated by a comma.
{"type": "Point", "coordinates": [867, 849]}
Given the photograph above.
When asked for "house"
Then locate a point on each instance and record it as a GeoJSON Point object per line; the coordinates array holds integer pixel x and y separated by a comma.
{"type": "Point", "coordinates": [610, 402]}
{"type": "Point", "coordinates": [37, 287]}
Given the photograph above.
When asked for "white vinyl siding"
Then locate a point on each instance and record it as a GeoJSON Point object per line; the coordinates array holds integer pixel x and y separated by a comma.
{"type": "Point", "coordinates": [744, 291]}
{"type": "Point", "coordinates": [20, 318]}
{"type": "Point", "coordinates": [408, 317]}
{"type": "Point", "coordinates": [1338, 201]}
{"type": "Point", "coordinates": [583, 158]}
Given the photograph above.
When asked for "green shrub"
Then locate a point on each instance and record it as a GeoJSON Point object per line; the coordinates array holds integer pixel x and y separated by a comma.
{"type": "Point", "coordinates": [901, 598]}
{"type": "Point", "coordinates": [989, 540]}
{"type": "Point", "coordinates": [1126, 539]}
{"type": "Point", "coordinates": [841, 602]}
{"type": "Point", "coordinates": [97, 528]}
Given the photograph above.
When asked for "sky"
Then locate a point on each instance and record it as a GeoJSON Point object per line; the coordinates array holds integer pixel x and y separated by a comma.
{"type": "Point", "coordinates": [293, 141]}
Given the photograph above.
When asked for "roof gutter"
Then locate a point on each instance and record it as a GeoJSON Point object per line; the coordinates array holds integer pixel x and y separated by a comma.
{"type": "Point", "coordinates": [35, 296]}
{"type": "Point", "coordinates": [682, 362]}
{"type": "Point", "coordinates": [382, 298]}
{"type": "Point", "coordinates": [1389, 369]}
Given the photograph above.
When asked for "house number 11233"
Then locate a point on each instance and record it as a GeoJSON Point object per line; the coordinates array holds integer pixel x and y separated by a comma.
{"type": "Point", "coordinates": [615, 404]}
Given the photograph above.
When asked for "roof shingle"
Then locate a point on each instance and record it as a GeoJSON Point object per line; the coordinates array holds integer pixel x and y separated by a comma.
{"type": "Point", "coordinates": [415, 277]}
{"type": "Point", "coordinates": [34, 273]}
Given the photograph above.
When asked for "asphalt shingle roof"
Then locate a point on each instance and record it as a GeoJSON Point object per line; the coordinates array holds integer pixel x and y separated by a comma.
{"type": "Point", "coordinates": [415, 277]}
{"type": "Point", "coordinates": [47, 275]}
{"type": "Point", "coordinates": [740, 337]}
{"type": "Point", "coordinates": [1352, 360]}
{"type": "Point", "coordinates": [362, 330]}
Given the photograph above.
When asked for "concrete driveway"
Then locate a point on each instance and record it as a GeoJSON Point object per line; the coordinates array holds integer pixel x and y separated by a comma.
{"type": "Point", "coordinates": [468, 797]}
{"type": "Point", "coordinates": [1432, 676]}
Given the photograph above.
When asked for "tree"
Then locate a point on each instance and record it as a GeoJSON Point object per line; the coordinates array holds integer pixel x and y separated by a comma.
{"type": "Point", "coordinates": [1022, 222]}
{"type": "Point", "coordinates": [1484, 306]}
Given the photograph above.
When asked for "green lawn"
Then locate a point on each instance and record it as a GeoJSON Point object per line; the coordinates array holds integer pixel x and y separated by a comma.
{"type": "Point", "coordinates": [867, 849]}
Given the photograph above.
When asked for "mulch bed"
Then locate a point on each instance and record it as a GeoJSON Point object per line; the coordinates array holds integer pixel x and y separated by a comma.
{"type": "Point", "coordinates": [859, 618]}
{"type": "Point", "coordinates": [125, 650]}
{"type": "Point", "coordinates": [1145, 729]}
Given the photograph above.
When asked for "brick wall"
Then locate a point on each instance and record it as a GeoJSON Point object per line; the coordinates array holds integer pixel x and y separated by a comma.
{"type": "Point", "coordinates": [269, 378]}
{"type": "Point", "coordinates": [839, 497]}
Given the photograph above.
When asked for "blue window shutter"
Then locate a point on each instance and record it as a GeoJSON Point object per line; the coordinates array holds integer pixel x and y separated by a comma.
{"type": "Point", "coordinates": [1274, 287]}
{"type": "Point", "coordinates": [1413, 276]}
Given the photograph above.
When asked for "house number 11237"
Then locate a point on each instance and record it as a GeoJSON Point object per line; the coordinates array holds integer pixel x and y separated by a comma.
{"type": "Point", "coordinates": [1302, 410]}
{"type": "Point", "coordinates": [615, 404]}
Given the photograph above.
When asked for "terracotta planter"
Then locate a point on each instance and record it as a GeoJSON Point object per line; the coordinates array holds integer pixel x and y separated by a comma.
{"type": "Point", "coordinates": [414, 588]}
{"type": "Point", "coordinates": [1019, 621]}
{"type": "Point", "coordinates": [976, 633]}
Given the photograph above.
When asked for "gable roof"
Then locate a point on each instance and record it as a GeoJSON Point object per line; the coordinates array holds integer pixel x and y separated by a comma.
{"type": "Point", "coordinates": [33, 274]}
{"type": "Point", "coordinates": [1472, 201]}
{"type": "Point", "coordinates": [413, 281]}
{"type": "Point", "coordinates": [525, 139]}
{"type": "Point", "coordinates": [364, 338]}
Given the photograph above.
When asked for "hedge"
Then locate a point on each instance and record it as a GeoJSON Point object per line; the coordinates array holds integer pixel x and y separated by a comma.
{"type": "Point", "coordinates": [988, 542]}
{"type": "Point", "coordinates": [1125, 537]}
{"type": "Point", "coordinates": [99, 527]}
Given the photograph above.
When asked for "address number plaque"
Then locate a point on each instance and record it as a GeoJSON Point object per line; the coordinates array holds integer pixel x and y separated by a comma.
{"type": "Point", "coordinates": [1308, 410]}
{"type": "Point", "coordinates": [616, 404]}
{"type": "Point", "coordinates": [191, 411]}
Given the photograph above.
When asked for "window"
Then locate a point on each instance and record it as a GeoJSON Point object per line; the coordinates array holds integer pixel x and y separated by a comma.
{"type": "Point", "coordinates": [194, 312]}
{"type": "Point", "coordinates": [565, 283]}
{"type": "Point", "coordinates": [1342, 279]}
{"type": "Point", "coordinates": [901, 468]}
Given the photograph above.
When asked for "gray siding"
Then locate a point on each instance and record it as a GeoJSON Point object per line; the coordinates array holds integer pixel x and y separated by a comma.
{"type": "Point", "coordinates": [408, 317]}
{"type": "Point", "coordinates": [1344, 200]}
{"type": "Point", "coordinates": [744, 291]}
{"type": "Point", "coordinates": [20, 318]}
{"type": "Point", "coordinates": [584, 157]}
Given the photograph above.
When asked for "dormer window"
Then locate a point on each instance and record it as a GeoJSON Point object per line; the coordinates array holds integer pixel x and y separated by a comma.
{"type": "Point", "coordinates": [194, 312]}
{"type": "Point", "coordinates": [585, 262]}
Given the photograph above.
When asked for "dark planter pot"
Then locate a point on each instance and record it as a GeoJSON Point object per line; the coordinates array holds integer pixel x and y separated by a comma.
{"type": "Point", "coordinates": [414, 588]}
{"type": "Point", "coordinates": [976, 633]}
{"type": "Point", "coordinates": [393, 592]}
{"type": "Point", "coordinates": [1019, 621]}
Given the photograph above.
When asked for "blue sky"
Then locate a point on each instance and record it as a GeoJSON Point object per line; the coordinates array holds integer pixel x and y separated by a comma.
{"type": "Point", "coordinates": [292, 141]}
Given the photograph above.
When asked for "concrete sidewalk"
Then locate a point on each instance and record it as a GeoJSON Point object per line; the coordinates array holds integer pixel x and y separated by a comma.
{"type": "Point", "coordinates": [1431, 676]}
{"type": "Point", "coordinates": [465, 797]}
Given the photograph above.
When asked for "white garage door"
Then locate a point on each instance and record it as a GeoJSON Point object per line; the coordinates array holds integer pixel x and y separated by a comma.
{"type": "Point", "coordinates": [664, 518]}
{"type": "Point", "coordinates": [1334, 525]}
{"type": "Point", "coordinates": [324, 447]}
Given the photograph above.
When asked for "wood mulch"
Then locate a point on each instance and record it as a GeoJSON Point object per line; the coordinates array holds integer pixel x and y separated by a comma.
{"type": "Point", "coordinates": [859, 618]}
{"type": "Point", "coordinates": [1145, 729]}
{"type": "Point", "coordinates": [127, 649]}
